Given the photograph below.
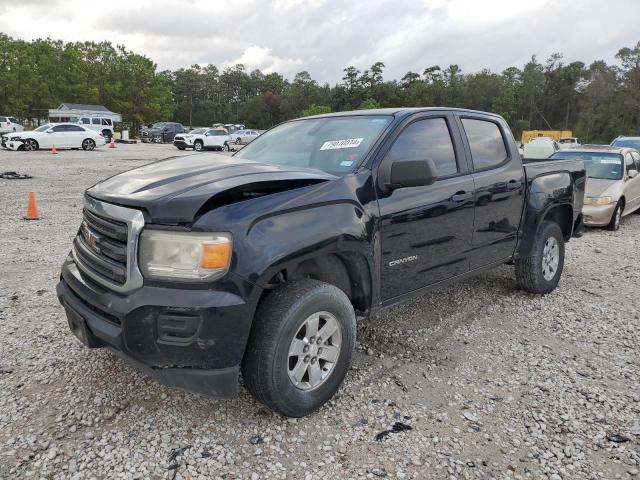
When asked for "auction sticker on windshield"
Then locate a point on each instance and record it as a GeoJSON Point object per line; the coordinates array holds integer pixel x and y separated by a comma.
{"type": "Point", "coordinates": [346, 143]}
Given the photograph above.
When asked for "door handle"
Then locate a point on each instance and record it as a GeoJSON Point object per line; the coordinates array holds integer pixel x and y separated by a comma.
{"type": "Point", "coordinates": [461, 196]}
{"type": "Point", "coordinates": [513, 185]}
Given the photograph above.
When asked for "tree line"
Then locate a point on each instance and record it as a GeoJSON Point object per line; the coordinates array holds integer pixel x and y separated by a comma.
{"type": "Point", "coordinates": [597, 101]}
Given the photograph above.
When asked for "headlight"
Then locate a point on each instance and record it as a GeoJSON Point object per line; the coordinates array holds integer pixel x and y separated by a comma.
{"type": "Point", "coordinates": [598, 200]}
{"type": "Point", "coordinates": [191, 256]}
{"type": "Point", "coordinates": [15, 139]}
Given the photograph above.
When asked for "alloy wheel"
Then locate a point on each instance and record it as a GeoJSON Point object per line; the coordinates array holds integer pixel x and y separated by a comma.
{"type": "Point", "coordinates": [314, 351]}
{"type": "Point", "coordinates": [550, 258]}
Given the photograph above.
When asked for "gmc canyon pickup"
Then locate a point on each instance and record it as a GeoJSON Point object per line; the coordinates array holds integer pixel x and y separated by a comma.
{"type": "Point", "coordinates": [200, 270]}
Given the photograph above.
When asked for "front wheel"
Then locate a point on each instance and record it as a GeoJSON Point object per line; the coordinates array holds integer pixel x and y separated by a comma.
{"type": "Point", "coordinates": [31, 145]}
{"type": "Point", "coordinates": [540, 272]}
{"type": "Point", "coordinates": [300, 347]}
{"type": "Point", "coordinates": [88, 144]}
{"type": "Point", "coordinates": [197, 146]}
{"type": "Point", "coordinates": [238, 141]}
{"type": "Point", "coordinates": [226, 147]}
{"type": "Point", "coordinates": [614, 223]}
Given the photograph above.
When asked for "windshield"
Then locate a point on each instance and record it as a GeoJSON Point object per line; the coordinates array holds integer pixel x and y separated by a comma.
{"type": "Point", "coordinates": [198, 131]}
{"type": "Point", "coordinates": [606, 166]}
{"type": "Point", "coordinates": [158, 125]}
{"type": "Point", "coordinates": [43, 128]}
{"type": "Point", "coordinates": [335, 145]}
{"type": "Point", "coordinates": [628, 142]}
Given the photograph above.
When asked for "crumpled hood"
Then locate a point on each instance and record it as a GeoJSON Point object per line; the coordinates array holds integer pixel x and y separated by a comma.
{"type": "Point", "coordinates": [175, 190]}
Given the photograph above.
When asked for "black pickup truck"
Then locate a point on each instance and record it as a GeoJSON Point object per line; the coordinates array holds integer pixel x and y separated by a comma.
{"type": "Point", "coordinates": [199, 269]}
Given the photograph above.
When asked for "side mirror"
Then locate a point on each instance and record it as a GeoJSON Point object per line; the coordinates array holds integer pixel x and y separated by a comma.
{"type": "Point", "coordinates": [632, 173]}
{"type": "Point", "coordinates": [412, 173]}
{"type": "Point", "coordinates": [50, 130]}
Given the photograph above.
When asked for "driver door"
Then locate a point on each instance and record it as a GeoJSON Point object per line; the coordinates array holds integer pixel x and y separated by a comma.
{"type": "Point", "coordinates": [426, 231]}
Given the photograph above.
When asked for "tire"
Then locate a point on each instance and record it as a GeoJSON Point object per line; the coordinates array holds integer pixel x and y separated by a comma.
{"type": "Point", "coordinates": [157, 139]}
{"type": "Point", "coordinates": [198, 146]}
{"type": "Point", "coordinates": [614, 223]}
{"type": "Point", "coordinates": [88, 144]}
{"type": "Point", "coordinates": [107, 136]}
{"type": "Point", "coordinates": [282, 324]}
{"type": "Point", "coordinates": [181, 148]}
{"type": "Point", "coordinates": [238, 141]}
{"type": "Point", "coordinates": [226, 147]}
{"type": "Point", "coordinates": [30, 145]}
{"type": "Point", "coordinates": [540, 272]}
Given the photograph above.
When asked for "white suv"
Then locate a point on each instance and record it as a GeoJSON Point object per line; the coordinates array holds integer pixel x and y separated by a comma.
{"type": "Point", "coordinates": [10, 124]}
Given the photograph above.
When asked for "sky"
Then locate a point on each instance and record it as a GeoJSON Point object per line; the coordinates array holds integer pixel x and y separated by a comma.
{"type": "Point", "coordinates": [324, 36]}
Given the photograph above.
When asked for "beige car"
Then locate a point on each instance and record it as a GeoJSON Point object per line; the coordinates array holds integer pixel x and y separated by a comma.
{"type": "Point", "coordinates": [613, 183]}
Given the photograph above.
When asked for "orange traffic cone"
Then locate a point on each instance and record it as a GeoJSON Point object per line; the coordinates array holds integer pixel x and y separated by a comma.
{"type": "Point", "coordinates": [112, 144]}
{"type": "Point", "coordinates": [32, 209]}
{"type": "Point", "coordinates": [53, 150]}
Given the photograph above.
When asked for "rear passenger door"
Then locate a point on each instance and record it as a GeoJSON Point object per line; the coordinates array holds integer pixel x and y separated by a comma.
{"type": "Point", "coordinates": [425, 232]}
{"type": "Point", "coordinates": [499, 181]}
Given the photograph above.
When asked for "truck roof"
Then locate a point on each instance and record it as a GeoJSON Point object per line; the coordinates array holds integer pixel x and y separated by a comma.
{"type": "Point", "coordinates": [401, 112]}
{"type": "Point", "coordinates": [599, 148]}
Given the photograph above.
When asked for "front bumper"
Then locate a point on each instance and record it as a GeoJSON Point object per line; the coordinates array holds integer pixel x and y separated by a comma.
{"type": "Point", "coordinates": [182, 144]}
{"type": "Point", "coordinates": [192, 339]}
{"type": "Point", "coordinates": [598, 215]}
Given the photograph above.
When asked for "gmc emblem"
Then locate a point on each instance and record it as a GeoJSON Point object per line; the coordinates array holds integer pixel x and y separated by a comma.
{"type": "Point", "coordinates": [91, 239]}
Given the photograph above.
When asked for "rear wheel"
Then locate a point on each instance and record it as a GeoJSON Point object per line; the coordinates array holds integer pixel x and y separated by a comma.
{"type": "Point", "coordinates": [198, 146]}
{"type": "Point", "coordinates": [540, 272]}
{"type": "Point", "coordinates": [31, 145]}
{"type": "Point", "coordinates": [614, 223]}
{"type": "Point", "coordinates": [88, 144]}
{"type": "Point", "coordinates": [300, 347]}
{"type": "Point", "coordinates": [238, 141]}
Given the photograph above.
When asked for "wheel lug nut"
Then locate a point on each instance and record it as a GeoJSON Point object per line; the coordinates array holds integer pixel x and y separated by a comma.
{"type": "Point", "coordinates": [312, 339]}
{"type": "Point", "coordinates": [305, 349]}
{"type": "Point", "coordinates": [314, 360]}
{"type": "Point", "coordinates": [320, 351]}
{"type": "Point", "coordinates": [306, 359]}
{"type": "Point", "coordinates": [319, 341]}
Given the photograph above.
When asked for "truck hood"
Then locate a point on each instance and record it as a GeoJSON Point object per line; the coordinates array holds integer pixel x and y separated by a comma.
{"type": "Point", "coordinates": [180, 189]}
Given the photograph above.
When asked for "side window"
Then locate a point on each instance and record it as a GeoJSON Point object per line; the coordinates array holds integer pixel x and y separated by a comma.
{"type": "Point", "coordinates": [636, 157]}
{"type": "Point", "coordinates": [85, 121]}
{"type": "Point", "coordinates": [95, 121]}
{"type": "Point", "coordinates": [60, 128]}
{"type": "Point", "coordinates": [13, 120]}
{"type": "Point", "coordinates": [75, 128]}
{"type": "Point", "coordinates": [629, 163]}
{"type": "Point", "coordinates": [106, 121]}
{"type": "Point", "coordinates": [3, 119]}
{"type": "Point", "coordinates": [428, 138]}
{"type": "Point", "coordinates": [486, 143]}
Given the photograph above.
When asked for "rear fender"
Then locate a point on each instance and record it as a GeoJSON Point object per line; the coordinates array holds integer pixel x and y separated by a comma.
{"type": "Point", "coordinates": [546, 193]}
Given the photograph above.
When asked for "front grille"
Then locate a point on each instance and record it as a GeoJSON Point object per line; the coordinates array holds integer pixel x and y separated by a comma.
{"type": "Point", "coordinates": [101, 246]}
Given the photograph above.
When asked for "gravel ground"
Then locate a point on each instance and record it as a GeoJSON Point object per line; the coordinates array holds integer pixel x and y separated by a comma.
{"type": "Point", "coordinates": [493, 382]}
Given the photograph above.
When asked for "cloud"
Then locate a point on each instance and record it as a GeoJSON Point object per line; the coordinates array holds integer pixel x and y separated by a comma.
{"type": "Point", "coordinates": [261, 57]}
{"type": "Point", "coordinates": [324, 36]}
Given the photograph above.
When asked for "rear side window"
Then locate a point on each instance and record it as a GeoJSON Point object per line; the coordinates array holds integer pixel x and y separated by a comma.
{"type": "Point", "coordinates": [60, 128]}
{"type": "Point", "coordinates": [106, 121]}
{"type": "Point", "coordinates": [3, 119]}
{"type": "Point", "coordinates": [428, 138]}
{"type": "Point", "coordinates": [486, 143]}
{"type": "Point", "coordinates": [86, 121]}
{"type": "Point", "coordinates": [95, 121]}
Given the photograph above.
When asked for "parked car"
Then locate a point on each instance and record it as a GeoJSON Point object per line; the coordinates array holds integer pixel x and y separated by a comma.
{"type": "Point", "coordinates": [540, 148]}
{"type": "Point", "coordinates": [99, 124]}
{"type": "Point", "coordinates": [10, 124]}
{"type": "Point", "coordinates": [62, 135]}
{"type": "Point", "coordinates": [203, 139]}
{"type": "Point", "coordinates": [613, 185]}
{"type": "Point", "coordinates": [568, 142]}
{"type": "Point", "coordinates": [161, 132]}
{"type": "Point", "coordinates": [260, 262]}
{"type": "Point", "coordinates": [628, 142]}
{"type": "Point", "coordinates": [245, 136]}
